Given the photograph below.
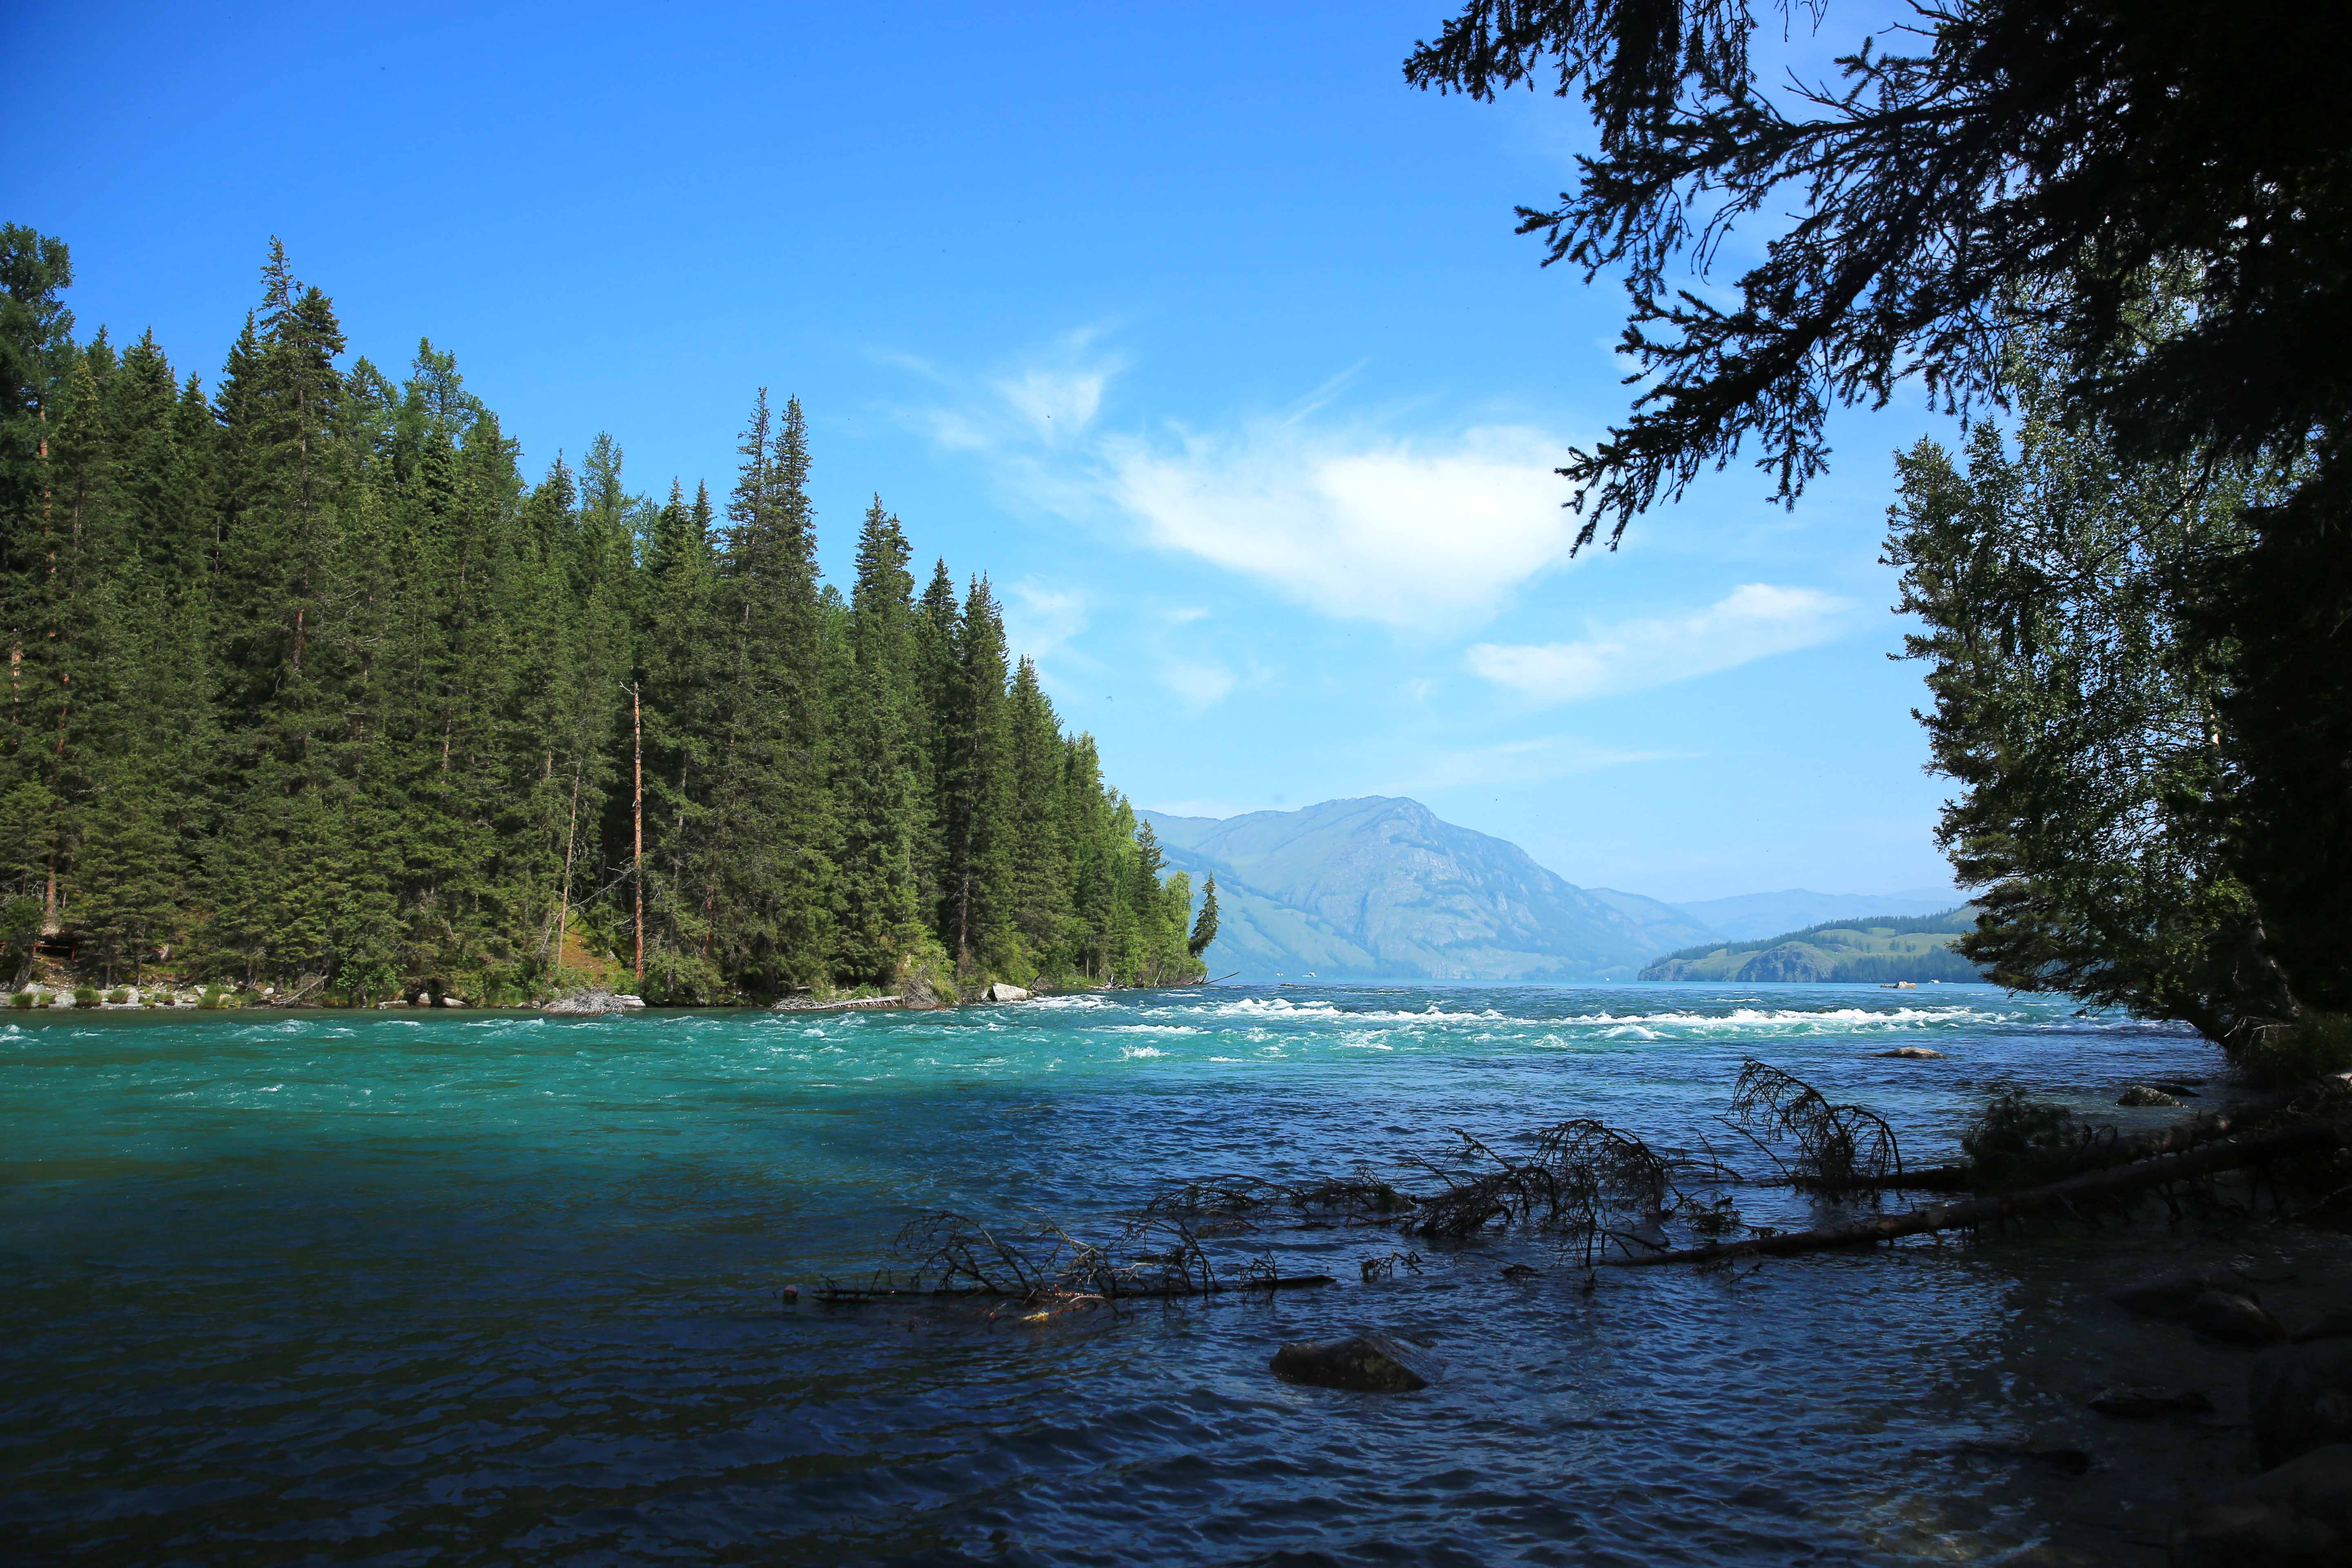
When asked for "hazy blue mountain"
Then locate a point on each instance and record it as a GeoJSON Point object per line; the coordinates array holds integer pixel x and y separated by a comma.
{"type": "Point", "coordinates": [1765, 914]}
{"type": "Point", "coordinates": [1381, 887]}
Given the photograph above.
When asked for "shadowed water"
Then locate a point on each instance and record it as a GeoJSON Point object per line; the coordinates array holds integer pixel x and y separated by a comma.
{"type": "Point", "coordinates": [496, 1287]}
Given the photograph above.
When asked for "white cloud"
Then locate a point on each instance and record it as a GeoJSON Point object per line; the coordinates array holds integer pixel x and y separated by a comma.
{"type": "Point", "coordinates": [1057, 404]}
{"type": "Point", "coordinates": [1750, 623]}
{"type": "Point", "coordinates": [1199, 685]}
{"type": "Point", "coordinates": [1433, 534]}
{"type": "Point", "coordinates": [1430, 536]}
{"type": "Point", "coordinates": [1522, 762]}
{"type": "Point", "coordinates": [1038, 619]}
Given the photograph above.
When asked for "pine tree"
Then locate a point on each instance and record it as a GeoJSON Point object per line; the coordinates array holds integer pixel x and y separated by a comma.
{"type": "Point", "coordinates": [978, 794]}
{"type": "Point", "coordinates": [878, 920]}
{"type": "Point", "coordinates": [1041, 866]}
{"type": "Point", "coordinates": [1204, 928]}
{"type": "Point", "coordinates": [764, 866]}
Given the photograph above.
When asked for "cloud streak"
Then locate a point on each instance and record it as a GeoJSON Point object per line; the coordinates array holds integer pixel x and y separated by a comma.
{"type": "Point", "coordinates": [1515, 762]}
{"type": "Point", "coordinates": [1431, 535]}
{"type": "Point", "coordinates": [1752, 621]}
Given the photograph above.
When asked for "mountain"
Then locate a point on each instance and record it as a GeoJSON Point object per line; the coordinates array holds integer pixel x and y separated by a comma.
{"type": "Point", "coordinates": [1876, 950]}
{"type": "Point", "coordinates": [1381, 887]}
{"type": "Point", "coordinates": [1753, 915]}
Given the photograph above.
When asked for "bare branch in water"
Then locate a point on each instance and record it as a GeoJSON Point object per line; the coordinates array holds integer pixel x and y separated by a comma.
{"type": "Point", "coordinates": [1841, 1149]}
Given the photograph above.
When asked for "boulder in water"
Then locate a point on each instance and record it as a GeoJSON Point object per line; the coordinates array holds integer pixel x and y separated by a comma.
{"type": "Point", "coordinates": [2301, 1399]}
{"type": "Point", "coordinates": [2233, 1318]}
{"type": "Point", "coordinates": [592, 1002]}
{"type": "Point", "coordinates": [2299, 1514]}
{"type": "Point", "coordinates": [2139, 1402]}
{"type": "Point", "coordinates": [2169, 1296]}
{"type": "Point", "coordinates": [1914, 1054]}
{"type": "Point", "coordinates": [1001, 992]}
{"type": "Point", "coordinates": [1367, 1364]}
{"type": "Point", "coordinates": [2145, 1094]}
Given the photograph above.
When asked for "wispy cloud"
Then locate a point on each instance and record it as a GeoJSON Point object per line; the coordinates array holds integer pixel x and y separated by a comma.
{"type": "Point", "coordinates": [1198, 685]}
{"type": "Point", "coordinates": [1433, 533]}
{"type": "Point", "coordinates": [1513, 763]}
{"type": "Point", "coordinates": [1750, 623]}
{"type": "Point", "coordinates": [1039, 620]}
{"type": "Point", "coordinates": [1057, 404]}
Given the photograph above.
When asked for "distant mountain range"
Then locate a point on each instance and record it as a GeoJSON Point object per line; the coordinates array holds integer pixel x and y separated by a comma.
{"type": "Point", "coordinates": [1383, 888]}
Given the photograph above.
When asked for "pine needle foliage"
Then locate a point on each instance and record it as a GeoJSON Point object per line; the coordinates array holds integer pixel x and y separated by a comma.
{"type": "Point", "coordinates": [308, 684]}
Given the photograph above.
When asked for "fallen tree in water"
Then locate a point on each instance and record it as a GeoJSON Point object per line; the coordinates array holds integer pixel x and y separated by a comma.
{"type": "Point", "coordinates": [1152, 1255]}
{"type": "Point", "coordinates": [1613, 1198]}
{"type": "Point", "coordinates": [2127, 1181]}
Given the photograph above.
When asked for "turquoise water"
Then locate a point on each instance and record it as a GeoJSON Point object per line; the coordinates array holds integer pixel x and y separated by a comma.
{"type": "Point", "coordinates": [497, 1288]}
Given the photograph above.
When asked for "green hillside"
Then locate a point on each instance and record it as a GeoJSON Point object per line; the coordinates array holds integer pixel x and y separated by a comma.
{"type": "Point", "coordinates": [1875, 951]}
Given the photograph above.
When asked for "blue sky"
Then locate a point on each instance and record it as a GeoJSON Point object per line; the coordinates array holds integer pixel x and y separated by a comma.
{"type": "Point", "coordinates": [1191, 325]}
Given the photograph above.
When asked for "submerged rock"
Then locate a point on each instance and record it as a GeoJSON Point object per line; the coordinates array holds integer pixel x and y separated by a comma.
{"type": "Point", "coordinates": [2233, 1318]}
{"type": "Point", "coordinates": [2301, 1398]}
{"type": "Point", "coordinates": [1914, 1054]}
{"type": "Point", "coordinates": [2146, 1094]}
{"type": "Point", "coordinates": [1367, 1364]}
{"type": "Point", "coordinates": [2169, 1296]}
{"type": "Point", "coordinates": [2300, 1513]}
{"type": "Point", "coordinates": [2138, 1402]}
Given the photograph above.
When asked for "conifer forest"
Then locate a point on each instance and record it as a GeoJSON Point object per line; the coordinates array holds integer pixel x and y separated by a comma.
{"type": "Point", "coordinates": [313, 683]}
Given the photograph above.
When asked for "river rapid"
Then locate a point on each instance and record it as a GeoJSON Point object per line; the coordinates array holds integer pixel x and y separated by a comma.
{"type": "Point", "coordinates": [462, 1287]}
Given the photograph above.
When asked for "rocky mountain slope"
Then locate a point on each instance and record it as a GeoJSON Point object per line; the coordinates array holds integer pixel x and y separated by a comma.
{"type": "Point", "coordinates": [1381, 887]}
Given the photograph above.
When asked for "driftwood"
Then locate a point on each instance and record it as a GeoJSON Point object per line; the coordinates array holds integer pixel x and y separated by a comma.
{"type": "Point", "coordinates": [835, 1294]}
{"type": "Point", "coordinates": [2116, 1181]}
{"type": "Point", "coordinates": [853, 1005]}
{"type": "Point", "coordinates": [1154, 1255]}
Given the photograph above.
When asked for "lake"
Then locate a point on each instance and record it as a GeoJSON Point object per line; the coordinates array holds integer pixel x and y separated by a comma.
{"type": "Point", "coordinates": [481, 1287]}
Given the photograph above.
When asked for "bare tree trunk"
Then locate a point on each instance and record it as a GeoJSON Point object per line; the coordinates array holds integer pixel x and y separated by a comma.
{"type": "Point", "coordinates": [563, 898]}
{"type": "Point", "coordinates": [637, 818]}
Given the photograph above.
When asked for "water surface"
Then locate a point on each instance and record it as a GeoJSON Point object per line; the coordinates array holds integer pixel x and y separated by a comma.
{"type": "Point", "coordinates": [497, 1288]}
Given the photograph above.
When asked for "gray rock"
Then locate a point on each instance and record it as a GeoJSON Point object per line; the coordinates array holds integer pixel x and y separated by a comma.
{"type": "Point", "coordinates": [2233, 1318]}
{"type": "Point", "coordinates": [592, 1002]}
{"type": "Point", "coordinates": [2297, 1516]}
{"type": "Point", "coordinates": [2169, 1296]}
{"type": "Point", "coordinates": [1367, 1364]}
{"type": "Point", "coordinates": [2301, 1398]}
{"type": "Point", "coordinates": [1912, 1054]}
{"type": "Point", "coordinates": [2139, 1402]}
{"type": "Point", "coordinates": [1001, 992]}
{"type": "Point", "coordinates": [2146, 1094]}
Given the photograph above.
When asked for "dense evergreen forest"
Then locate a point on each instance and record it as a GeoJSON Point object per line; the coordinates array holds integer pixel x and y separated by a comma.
{"type": "Point", "coordinates": [309, 684]}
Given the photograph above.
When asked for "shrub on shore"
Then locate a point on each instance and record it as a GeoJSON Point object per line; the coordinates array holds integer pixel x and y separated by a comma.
{"type": "Point", "coordinates": [2315, 1045]}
